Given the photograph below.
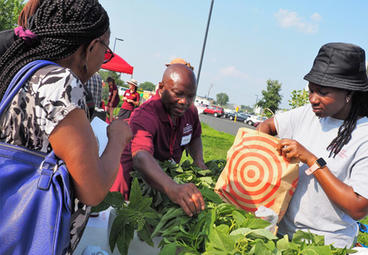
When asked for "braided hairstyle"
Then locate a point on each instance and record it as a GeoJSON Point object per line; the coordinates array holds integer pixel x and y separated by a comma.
{"type": "Point", "coordinates": [359, 108]}
{"type": "Point", "coordinates": [61, 26]}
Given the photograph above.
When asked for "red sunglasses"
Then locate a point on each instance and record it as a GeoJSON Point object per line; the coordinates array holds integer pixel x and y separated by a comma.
{"type": "Point", "coordinates": [108, 53]}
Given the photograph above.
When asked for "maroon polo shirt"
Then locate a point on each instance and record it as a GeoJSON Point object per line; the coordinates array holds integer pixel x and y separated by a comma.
{"type": "Point", "coordinates": [154, 131]}
{"type": "Point", "coordinates": [129, 95]}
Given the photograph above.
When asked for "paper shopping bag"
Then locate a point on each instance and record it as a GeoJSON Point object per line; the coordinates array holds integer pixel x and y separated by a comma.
{"type": "Point", "coordinates": [256, 175]}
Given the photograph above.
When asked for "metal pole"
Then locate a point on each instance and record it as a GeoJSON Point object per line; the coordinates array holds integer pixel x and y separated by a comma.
{"type": "Point", "coordinates": [211, 86]}
{"type": "Point", "coordinates": [115, 42]}
{"type": "Point", "coordinates": [204, 42]}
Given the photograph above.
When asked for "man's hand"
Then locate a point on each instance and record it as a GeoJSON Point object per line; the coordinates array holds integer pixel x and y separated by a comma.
{"type": "Point", "coordinates": [188, 197]}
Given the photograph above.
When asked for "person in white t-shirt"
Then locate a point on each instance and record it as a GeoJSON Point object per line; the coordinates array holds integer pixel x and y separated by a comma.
{"type": "Point", "coordinates": [329, 137]}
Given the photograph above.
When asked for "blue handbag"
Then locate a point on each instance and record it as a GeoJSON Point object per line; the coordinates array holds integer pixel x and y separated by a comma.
{"type": "Point", "coordinates": [35, 199]}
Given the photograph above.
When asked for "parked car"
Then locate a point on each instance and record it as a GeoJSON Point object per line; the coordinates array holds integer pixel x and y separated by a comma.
{"type": "Point", "coordinates": [229, 113]}
{"type": "Point", "coordinates": [257, 123]}
{"type": "Point", "coordinates": [252, 119]}
{"type": "Point", "coordinates": [200, 107]}
{"type": "Point", "coordinates": [216, 111]}
{"type": "Point", "coordinates": [242, 117]}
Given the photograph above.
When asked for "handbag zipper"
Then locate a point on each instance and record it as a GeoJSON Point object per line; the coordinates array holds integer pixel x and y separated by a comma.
{"type": "Point", "coordinates": [23, 149]}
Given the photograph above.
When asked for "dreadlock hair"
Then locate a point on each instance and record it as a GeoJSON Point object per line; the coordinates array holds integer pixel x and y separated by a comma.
{"type": "Point", "coordinates": [61, 26]}
{"type": "Point", "coordinates": [359, 108]}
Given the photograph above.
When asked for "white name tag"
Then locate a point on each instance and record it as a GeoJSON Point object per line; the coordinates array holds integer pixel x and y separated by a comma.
{"type": "Point", "coordinates": [185, 139]}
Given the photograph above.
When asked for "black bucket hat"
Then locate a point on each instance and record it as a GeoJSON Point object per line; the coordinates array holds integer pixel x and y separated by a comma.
{"type": "Point", "coordinates": [340, 65]}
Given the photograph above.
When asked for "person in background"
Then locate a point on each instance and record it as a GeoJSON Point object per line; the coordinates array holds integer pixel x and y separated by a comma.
{"type": "Point", "coordinates": [131, 100]}
{"type": "Point", "coordinates": [163, 127]}
{"type": "Point", "coordinates": [94, 85]}
{"type": "Point", "coordinates": [94, 88]}
{"type": "Point", "coordinates": [180, 61]}
{"type": "Point", "coordinates": [329, 138]}
{"type": "Point", "coordinates": [113, 98]}
{"type": "Point", "coordinates": [50, 112]}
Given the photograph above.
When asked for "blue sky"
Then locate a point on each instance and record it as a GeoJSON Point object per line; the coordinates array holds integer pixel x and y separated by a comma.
{"type": "Point", "coordinates": [248, 42]}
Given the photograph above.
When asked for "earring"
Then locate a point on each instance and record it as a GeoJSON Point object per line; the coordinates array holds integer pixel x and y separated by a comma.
{"type": "Point", "coordinates": [85, 68]}
{"type": "Point", "coordinates": [347, 100]}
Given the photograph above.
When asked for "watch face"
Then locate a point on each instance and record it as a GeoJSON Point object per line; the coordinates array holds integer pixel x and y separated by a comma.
{"type": "Point", "coordinates": [321, 162]}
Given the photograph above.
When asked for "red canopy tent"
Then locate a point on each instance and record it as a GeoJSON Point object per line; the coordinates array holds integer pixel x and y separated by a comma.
{"type": "Point", "coordinates": [118, 64]}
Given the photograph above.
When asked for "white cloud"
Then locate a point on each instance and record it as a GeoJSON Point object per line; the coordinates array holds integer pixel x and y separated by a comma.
{"type": "Point", "coordinates": [290, 19]}
{"type": "Point", "coordinates": [232, 71]}
{"type": "Point", "coordinates": [316, 17]}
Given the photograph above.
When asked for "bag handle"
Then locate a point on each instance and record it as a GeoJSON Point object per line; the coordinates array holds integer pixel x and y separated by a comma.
{"type": "Point", "coordinates": [19, 79]}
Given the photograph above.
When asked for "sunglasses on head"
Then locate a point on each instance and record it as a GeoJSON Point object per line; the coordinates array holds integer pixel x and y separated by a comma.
{"type": "Point", "coordinates": [108, 53]}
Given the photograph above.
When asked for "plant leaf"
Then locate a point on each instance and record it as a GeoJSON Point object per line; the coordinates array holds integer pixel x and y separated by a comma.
{"type": "Point", "coordinates": [115, 231]}
{"type": "Point", "coordinates": [241, 231]}
{"type": "Point", "coordinates": [135, 195]}
{"type": "Point", "coordinates": [260, 248]}
{"type": "Point", "coordinates": [114, 199]}
{"type": "Point", "coordinates": [124, 239]}
{"type": "Point", "coordinates": [240, 220]}
{"type": "Point", "coordinates": [205, 172]}
{"type": "Point", "coordinates": [317, 250]}
{"type": "Point", "coordinates": [170, 214]}
{"type": "Point", "coordinates": [262, 233]}
{"type": "Point", "coordinates": [100, 207]}
{"type": "Point", "coordinates": [220, 240]}
{"type": "Point", "coordinates": [145, 235]}
{"type": "Point", "coordinates": [283, 243]}
{"type": "Point", "coordinates": [168, 249]}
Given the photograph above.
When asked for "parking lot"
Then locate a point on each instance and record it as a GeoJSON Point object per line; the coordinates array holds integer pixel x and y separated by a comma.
{"type": "Point", "coordinates": [222, 124]}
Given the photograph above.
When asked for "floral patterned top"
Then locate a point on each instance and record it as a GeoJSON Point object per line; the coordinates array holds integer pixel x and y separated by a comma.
{"type": "Point", "coordinates": [39, 106]}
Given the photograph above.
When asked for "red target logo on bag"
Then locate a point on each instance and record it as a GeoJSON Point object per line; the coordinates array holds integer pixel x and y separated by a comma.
{"type": "Point", "coordinates": [256, 175]}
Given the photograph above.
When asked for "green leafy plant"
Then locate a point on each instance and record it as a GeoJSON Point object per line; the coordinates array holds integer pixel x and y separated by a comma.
{"type": "Point", "coordinates": [220, 229]}
{"type": "Point", "coordinates": [181, 173]}
{"type": "Point", "coordinates": [137, 215]}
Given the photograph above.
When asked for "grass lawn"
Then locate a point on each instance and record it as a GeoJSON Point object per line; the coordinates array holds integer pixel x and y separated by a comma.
{"type": "Point", "coordinates": [215, 146]}
{"type": "Point", "coordinates": [363, 237]}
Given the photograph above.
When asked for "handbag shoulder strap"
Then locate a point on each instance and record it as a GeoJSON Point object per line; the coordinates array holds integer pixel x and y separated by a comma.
{"type": "Point", "coordinates": [19, 79]}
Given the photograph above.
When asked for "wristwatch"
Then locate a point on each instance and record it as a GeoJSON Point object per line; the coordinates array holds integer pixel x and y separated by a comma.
{"type": "Point", "coordinates": [317, 165]}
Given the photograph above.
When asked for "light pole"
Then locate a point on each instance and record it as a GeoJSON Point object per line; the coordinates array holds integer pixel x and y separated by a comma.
{"type": "Point", "coordinates": [204, 42]}
{"type": "Point", "coordinates": [115, 42]}
{"type": "Point", "coordinates": [211, 86]}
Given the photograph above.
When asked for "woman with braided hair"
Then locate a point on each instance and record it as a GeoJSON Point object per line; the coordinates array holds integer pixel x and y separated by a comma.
{"type": "Point", "coordinates": [329, 138]}
{"type": "Point", "coordinates": [50, 110]}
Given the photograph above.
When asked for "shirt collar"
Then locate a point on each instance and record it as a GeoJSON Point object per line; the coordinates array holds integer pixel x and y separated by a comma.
{"type": "Point", "coordinates": [160, 109]}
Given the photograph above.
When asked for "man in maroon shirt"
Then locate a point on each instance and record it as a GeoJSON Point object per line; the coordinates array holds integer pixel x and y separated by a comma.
{"type": "Point", "coordinates": [162, 128]}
